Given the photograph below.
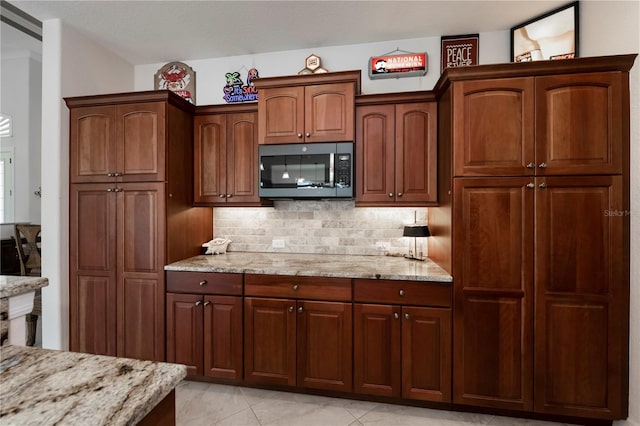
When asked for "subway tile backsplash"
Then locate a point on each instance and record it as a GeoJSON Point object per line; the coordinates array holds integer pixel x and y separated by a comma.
{"type": "Point", "coordinates": [323, 226]}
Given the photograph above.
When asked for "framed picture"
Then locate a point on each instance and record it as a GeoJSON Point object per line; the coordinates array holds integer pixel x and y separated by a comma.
{"type": "Point", "coordinates": [459, 51]}
{"type": "Point", "coordinates": [553, 35]}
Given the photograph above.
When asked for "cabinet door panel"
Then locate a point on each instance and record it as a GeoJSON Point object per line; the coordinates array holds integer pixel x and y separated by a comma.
{"type": "Point", "coordinates": [210, 168]}
{"type": "Point", "coordinates": [282, 115]}
{"type": "Point", "coordinates": [324, 333]}
{"type": "Point", "coordinates": [140, 270]}
{"type": "Point", "coordinates": [329, 112]}
{"type": "Point", "coordinates": [493, 131]}
{"type": "Point", "coordinates": [92, 149]}
{"type": "Point", "coordinates": [579, 124]}
{"type": "Point", "coordinates": [184, 332]}
{"type": "Point", "coordinates": [375, 153]}
{"type": "Point", "coordinates": [493, 266]}
{"type": "Point", "coordinates": [270, 341]}
{"type": "Point", "coordinates": [426, 354]}
{"type": "Point", "coordinates": [242, 158]}
{"type": "Point", "coordinates": [141, 142]}
{"type": "Point", "coordinates": [223, 337]}
{"type": "Point", "coordinates": [416, 153]}
{"type": "Point", "coordinates": [582, 297]}
{"type": "Point", "coordinates": [92, 295]}
{"type": "Point", "coordinates": [377, 350]}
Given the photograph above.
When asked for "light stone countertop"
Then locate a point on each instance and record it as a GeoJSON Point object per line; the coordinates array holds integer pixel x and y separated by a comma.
{"type": "Point", "coordinates": [321, 265]}
{"type": "Point", "coordinates": [13, 285]}
{"type": "Point", "coordinates": [47, 387]}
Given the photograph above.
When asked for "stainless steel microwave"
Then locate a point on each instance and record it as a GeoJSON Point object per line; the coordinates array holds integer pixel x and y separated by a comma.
{"type": "Point", "coordinates": [314, 170]}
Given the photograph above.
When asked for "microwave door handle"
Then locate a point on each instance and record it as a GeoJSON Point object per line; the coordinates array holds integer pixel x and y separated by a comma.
{"type": "Point", "coordinates": [331, 170]}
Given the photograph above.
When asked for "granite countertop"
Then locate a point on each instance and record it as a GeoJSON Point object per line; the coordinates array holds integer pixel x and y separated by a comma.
{"type": "Point", "coordinates": [47, 387]}
{"type": "Point", "coordinates": [321, 265]}
{"type": "Point", "coordinates": [13, 285]}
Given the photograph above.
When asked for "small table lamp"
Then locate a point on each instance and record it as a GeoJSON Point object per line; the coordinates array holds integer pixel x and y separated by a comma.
{"type": "Point", "coordinates": [415, 231]}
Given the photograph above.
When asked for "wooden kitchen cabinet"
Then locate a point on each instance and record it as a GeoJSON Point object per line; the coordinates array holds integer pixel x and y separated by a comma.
{"type": "Point", "coordinates": [117, 143]}
{"type": "Point", "coordinates": [548, 125]}
{"type": "Point", "coordinates": [396, 151]}
{"type": "Point", "coordinates": [125, 228]}
{"type": "Point", "coordinates": [532, 226]}
{"type": "Point", "coordinates": [402, 351]}
{"type": "Point", "coordinates": [226, 156]}
{"type": "Point", "coordinates": [204, 323]}
{"type": "Point", "coordinates": [307, 108]}
{"type": "Point", "coordinates": [294, 341]}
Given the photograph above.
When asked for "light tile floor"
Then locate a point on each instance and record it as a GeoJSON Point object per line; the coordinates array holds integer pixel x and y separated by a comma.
{"type": "Point", "coordinates": [200, 404]}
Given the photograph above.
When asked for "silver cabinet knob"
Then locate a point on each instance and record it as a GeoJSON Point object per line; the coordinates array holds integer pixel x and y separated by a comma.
{"type": "Point", "coordinates": [299, 135]}
{"type": "Point", "coordinates": [221, 196]}
{"type": "Point", "coordinates": [295, 287]}
{"type": "Point", "coordinates": [530, 165]}
{"type": "Point", "coordinates": [308, 134]}
{"type": "Point", "coordinates": [399, 194]}
{"type": "Point", "coordinates": [199, 302]}
{"type": "Point", "coordinates": [109, 189]}
{"type": "Point", "coordinates": [530, 185]}
{"type": "Point", "coordinates": [391, 194]}
{"type": "Point", "coordinates": [543, 185]}
{"type": "Point", "coordinates": [406, 316]}
{"type": "Point", "coordinates": [203, 282]}
{"type": "Point", "coordinates": [118, 174]}
{"type": "Point", "coordinates": [110, 174]}
{"type": "Point", "coordinates": [395, 315]}
{"type": "Point", "coordinates": [299, 309]}
{"type": "Point", "coordinates": [542, 165]}
{"type": "Point", "coordinates": [117, 189]}
{"type": "Point", "coordinates": [290, 308]}
{"type": "Point", "coordinates": [207, 303]}
{"type": "Point", "coordinates": [229, 195]}
{"type": "Point", "coordinates": [401, 292]}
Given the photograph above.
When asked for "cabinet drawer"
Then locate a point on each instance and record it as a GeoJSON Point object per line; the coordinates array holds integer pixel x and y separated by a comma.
{"type": "Point", "coordinates": [295, 287]}
{"type": "Point", "coordinates": [204, 283]}
{"type": "Point", "coordinates": [420, 293]}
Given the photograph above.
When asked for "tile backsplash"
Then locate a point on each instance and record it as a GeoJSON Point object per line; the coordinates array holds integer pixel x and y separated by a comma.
{"type": "Point", "coordinates": [323, 226]}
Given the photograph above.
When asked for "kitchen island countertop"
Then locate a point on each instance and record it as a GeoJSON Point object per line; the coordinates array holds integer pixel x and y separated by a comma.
{"type": "Point", "coordinates": [12, 285]}
{"type": "Point", "coordinates": [47, 387]}
{"type": "Point", "coordinates": [321, 265]}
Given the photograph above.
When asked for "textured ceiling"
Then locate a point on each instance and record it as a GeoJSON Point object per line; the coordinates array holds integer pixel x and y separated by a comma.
{"type": "Point", "coordinates": [145, 32]}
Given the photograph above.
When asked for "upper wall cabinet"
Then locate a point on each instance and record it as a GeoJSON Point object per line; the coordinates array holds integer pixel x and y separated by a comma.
{"type": "Point", "coordinates": [307, 108]}
{"type": "Point", "coordinates": [548, 125]}
{"type": "Point", "coordinates": [118, 143]}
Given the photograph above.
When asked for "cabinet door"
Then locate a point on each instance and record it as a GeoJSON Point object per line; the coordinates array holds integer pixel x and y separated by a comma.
{"type": "Point", "coordinates": [377, 350]}
{"type": "Point", "coordinates": [493, 270]}
{"type": "Point", "coordinates": [324, 333]}
{"type": "Point", "coordinates": [184, 331]}
{"type": "Point", "coordinates": [493, 127]}
{"type": "Point", "coordinates": [281, 115]}
{"type": "Point", "coordinates": [580, 124]}
{"type": "Point", "coordinates": [270, 341]}
{"type": "Point", "coordinates": [426, 354]}
{"type": "Point", "coordinates": [92, 253]}
{"type": "Point", "coordinates": [140, 146]}
{"type": "Point", "coordinates": [582, 297]}
{"type": "Point", "coordinates": [416, 153]}
{"type": "Point", "coordinates": [141, 289]}
{"type": "Point", "coordinates": [92, 144]}
{"type": "Point", "coordinates": [375, 154]}
{"type": "Point", "coordinates": [242, 158]}
{"type": "Point", "coordinates": [223, 337]}
{"type": "Point", "coordinates": [329, 112]}
{"type": "Point", "coordinates": [210, 158]}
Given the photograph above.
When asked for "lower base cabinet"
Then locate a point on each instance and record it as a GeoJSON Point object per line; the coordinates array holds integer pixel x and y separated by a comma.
{"type": "Point", "coordinates": [204, 331]}
{"type": "Point", "coordinates": [298, 343]}
{"type": "Point", "coordinates": [402, 351]}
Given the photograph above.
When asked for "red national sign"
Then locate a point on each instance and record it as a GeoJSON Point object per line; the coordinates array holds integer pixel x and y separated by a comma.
{"type": "Point", "coordinates": [403, 65]}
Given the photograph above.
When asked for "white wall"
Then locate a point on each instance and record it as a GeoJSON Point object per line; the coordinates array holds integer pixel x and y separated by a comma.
{"type": "Point", "coordinates": [607, 27]}
{"type": "Point", "coordinates": [72, 66]}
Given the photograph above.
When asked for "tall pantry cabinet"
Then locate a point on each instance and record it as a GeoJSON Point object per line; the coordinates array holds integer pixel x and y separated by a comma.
{"type": "Point", "coordinates": [131, 197]}
{"type": "Point", "coordinates": [533, 223]}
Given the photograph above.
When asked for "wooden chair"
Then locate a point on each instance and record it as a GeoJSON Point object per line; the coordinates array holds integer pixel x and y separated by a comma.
{"type": "Point", "coordinates": [27, 242]}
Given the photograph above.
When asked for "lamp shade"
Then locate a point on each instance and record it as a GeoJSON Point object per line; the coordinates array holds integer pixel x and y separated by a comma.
{"type": "Point", "coordinates": [416, 231]}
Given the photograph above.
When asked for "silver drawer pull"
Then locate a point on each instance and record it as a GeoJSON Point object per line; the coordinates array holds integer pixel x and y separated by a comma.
{"type": "Point", "coordinates": [295, 287]}
{"type": "Point", "coordinates": [290, 308]}
{"type": "Point", "coordinates": [401, 292]}
{"type": "Point", "coordinates": [207, 303]}
{"type": "Point", "coordinates": [395, 315]}
{"type": "Point", "coordinates": [203, 282]}
{"type": "Point", "coordinates": [299, 309]}
{"type": "Point", "coordinates": [406, 316]}
{"type": "Point", "coordinates": [199, 302]}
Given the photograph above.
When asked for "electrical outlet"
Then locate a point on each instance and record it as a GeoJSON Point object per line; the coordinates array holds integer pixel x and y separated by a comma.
{"type": "Point", "coordinates": [277, 243]}
{"type": "Point", "coordinates": [383, 245]}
